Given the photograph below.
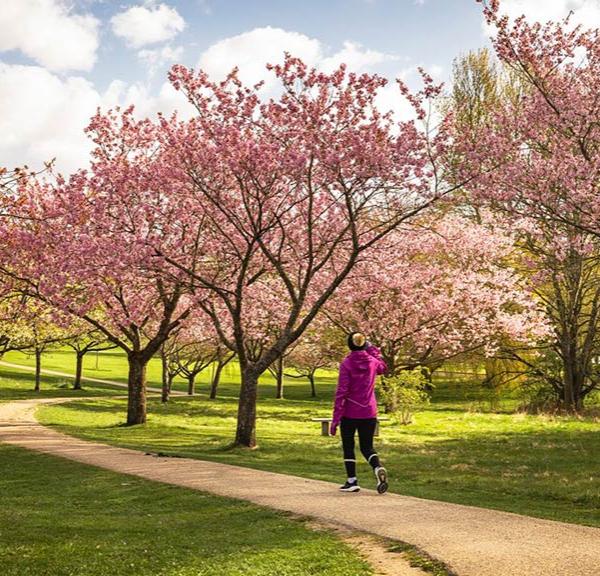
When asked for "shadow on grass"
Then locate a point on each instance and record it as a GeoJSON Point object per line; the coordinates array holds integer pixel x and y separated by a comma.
{"type": "Point", "coordinates": [8, 374]}
{"type": "Point", "coordinates": [201, 407]}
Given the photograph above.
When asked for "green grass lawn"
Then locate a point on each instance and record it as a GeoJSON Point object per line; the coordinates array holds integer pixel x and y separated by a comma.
{"type": "Point", "coordinates": [108, 365]}
{"type": "Point", "coordinates": [18, 384]}
{"type": "Point", "coordinates": [458, 450]}
{"type": "Point", "coordinates": [452, 390]}
{"type": "Point", "coordinates": [61, 518]}
{"type": "Point", "coordinates": [112, 365]}
{"type": "Point", "coordinates": [546, 467]}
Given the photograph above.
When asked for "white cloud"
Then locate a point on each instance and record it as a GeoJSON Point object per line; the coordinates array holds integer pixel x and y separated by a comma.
{"type": "Point", "coordinates": [158, 57]}
{"type": "Point", "coordinates": [436, 71]}
{"type": "Point", "coordinates": [49, 32]}
{"type": "Point", "coordinates": [390, 98]}
{"type": "Point", "coordinates": [252, 51]}
{"type": "Point", "coordinates": [148, 104]}
{"type": "Point", "coordinates": [356, 58]}
{"type": "Point", "coordinates": [149, 24]}
{"type": "Point", "coordinates": [33, 134]}
{"type": "Point", "coordinates": [586, 12]}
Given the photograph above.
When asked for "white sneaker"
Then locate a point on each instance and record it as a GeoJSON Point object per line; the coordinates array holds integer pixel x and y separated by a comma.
{"type": "Point", "coordinates": [350, 487]}
{"type": "Point", "coordinates": [382, 479]}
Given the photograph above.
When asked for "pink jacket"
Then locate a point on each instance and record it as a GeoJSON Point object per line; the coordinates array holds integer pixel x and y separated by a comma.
{"type": "Point", "coordinates": [355, 394]}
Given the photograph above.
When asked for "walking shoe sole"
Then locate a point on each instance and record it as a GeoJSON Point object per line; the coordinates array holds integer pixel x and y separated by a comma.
{"type": "Point", "coordinates": [353, 489]}
{"type": "Point", "coordinates": [382, 484]}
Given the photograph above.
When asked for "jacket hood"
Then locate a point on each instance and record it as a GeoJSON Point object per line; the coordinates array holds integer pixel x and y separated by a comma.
{"type": "Point", "coordinates": [359, 360]}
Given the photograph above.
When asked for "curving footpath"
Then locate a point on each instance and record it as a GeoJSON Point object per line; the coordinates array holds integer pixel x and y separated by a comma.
{"type": "Point", "coordinates": [471, 541]}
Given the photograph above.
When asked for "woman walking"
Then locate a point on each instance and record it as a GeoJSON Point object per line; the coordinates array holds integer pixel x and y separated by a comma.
{"type": "Point", "coordinates": [355, 408]}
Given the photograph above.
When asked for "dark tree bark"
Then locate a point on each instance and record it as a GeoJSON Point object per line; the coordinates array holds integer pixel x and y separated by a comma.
{"type": "Point", "coordinates": [38, 369]}
{"type": "Point", "coordinates": [78, 370]}
{"type": "Point", "coordinates": [166, 380]}
{"type": "Point", "coordinates": [308, 372]}
{"type": "Point", "coordinates": [279, 373]}
{"type": "Point", "coordinates": [136, 402]}
{"type": "Point", "coordinates": [313, 389]}
{"type": "Point", "coordinates": [4, 344]}
{"type": "Point", "coordinates": [138, 354]}
{"type": "Point", "coordinates": [191, 384]}
{"type": "Point", "coordinates": [246, 419]}
{"type": "Point", "coordinates": [191, 371]}
{"type": "Point", "coordinates": [214, 385]}
{"type": "Point", "coordinates": [82, 345]}
{"type": "Point", "coordinates": [221, 363]}
{"type": "Point", "coordinates": [573, 379]}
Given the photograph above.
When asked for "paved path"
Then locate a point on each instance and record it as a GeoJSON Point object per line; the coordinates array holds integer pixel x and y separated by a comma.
{"type": "Point", "coordinates": [471, 541]}
{"type": "Point", "coordinates": [87, 378]}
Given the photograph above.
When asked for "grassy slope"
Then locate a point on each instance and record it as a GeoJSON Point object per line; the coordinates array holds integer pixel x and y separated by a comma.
{"type": "Point", "coordinates": [81, 520]}
{"type": "Point", "coordinates": [109, 365]}
{"type": "Point", "coordinates": [17, 384]}
{"type": "Point", "coordinates": [112, 365]}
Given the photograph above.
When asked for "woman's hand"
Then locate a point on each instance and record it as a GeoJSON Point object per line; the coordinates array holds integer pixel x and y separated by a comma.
{"type": "Point", "coordinates": [333, 429]}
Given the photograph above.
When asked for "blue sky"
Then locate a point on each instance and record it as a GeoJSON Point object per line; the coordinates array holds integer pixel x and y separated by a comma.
{"type": "Point", "coordinates": [431, 33]}
{"type": "Point", "coordinates": [61, 59]}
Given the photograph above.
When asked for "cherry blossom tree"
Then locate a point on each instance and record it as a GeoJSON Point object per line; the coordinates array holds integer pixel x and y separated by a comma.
{"type": "Point", "coordinates": [290, 193]}
{"type": "Point", "coordinates": [193, 349]}
{"type": "Point", "coordinates": [321, 346]}
{"type": "Point", "coordinates": [83, 340]}
{"type": "Point", "coordinates": [13, 307]}
{"type": "Point", "coordinates": [546, 138]}
{"type": "Point", "coordinates": [81, 245]}
{"type": "Point", "coordinates": [35, 330]}
{"type": "Point", "coordinates": [188, 352]}
{"type": "Point", "coordinates": [169, 367]}
{"type": "Point", "coordinates": [543, 140]}
{"type": "Point", "coordinates": [277, 370]}
{"type": "Point", "coordinates": [224, 357]}
{"type": "Point", "coordinates": [435, 291]}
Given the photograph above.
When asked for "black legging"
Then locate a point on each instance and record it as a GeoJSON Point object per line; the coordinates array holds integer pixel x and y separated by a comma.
{"type": "Point", "coordinates": [366, 431]}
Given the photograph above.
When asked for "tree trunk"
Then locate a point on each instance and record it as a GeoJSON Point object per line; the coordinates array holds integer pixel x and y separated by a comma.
{"type": "Point", "coordinates": [191, 384]}
{"type": "Point", "coordinates": [570, 379]}
{"type": "Point", "coordinates": [576, 390]}
{"type": "Point", "coordinates": [166, 384]}
{"type": "Point", "coordinates": [136, 401]}
{"type": "Point", "coordinates": [246, 419]}
{"type": "Point", "coordinates": [313, 390]}
{"type": "Point", "coordinates": [573, 384]}
{"type": "Point", "coordinates": [78, 371]}
{"type": "Point", "coordinates": [279, 378]}
{"type": "Point", "coordinates": [38, 369]}
{"type": "Point", "coordinates": [165, 390]}
{"type": "Point", "coordinates": [215, 381]}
